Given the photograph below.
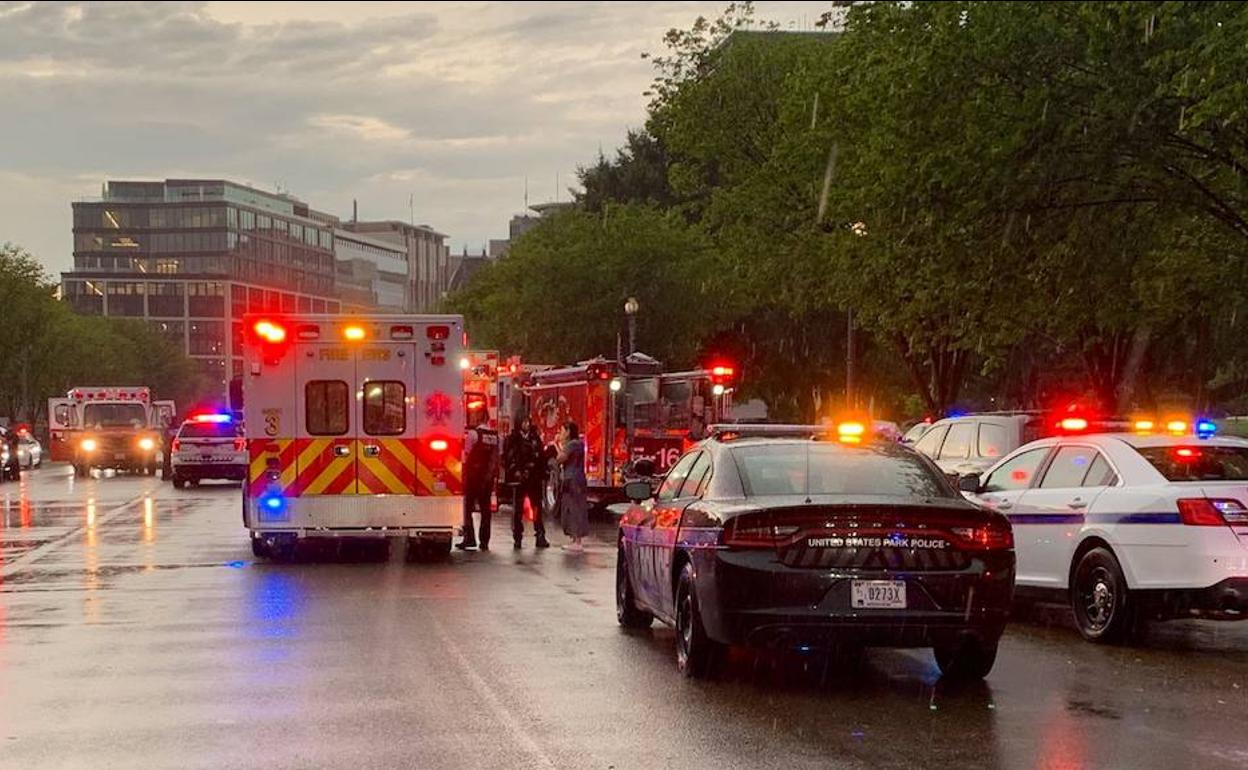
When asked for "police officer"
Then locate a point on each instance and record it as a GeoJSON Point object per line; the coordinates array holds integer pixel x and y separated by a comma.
{"type": "Point", "coordinates": [524, 463]}
{"type": "Point", "coordinates": [480, 471]}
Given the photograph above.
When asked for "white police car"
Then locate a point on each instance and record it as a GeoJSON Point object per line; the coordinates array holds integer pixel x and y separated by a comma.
{"type": "Point", "coordinates": [208, 446]}
{"type": "Point", "coordinates": [1127, 525]}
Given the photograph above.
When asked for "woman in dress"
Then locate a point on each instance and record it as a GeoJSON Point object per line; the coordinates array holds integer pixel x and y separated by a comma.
{"type": "Point", "coordinates": [573, 507]}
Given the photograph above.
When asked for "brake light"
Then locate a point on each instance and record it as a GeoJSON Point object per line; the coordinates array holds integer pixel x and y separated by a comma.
{"type": "Point", "coordinates": [176, 445]}
{"type": "Point", "coordinates": [987, 538]}
{"type": "Point", "coordinates": [439, 445]}
{"type": "Point", "coordinates": [1206, 512]}
{"type": "Point", "coordinates": [753, 532]}
{"type": "Point", "coordinates": [439, 333]}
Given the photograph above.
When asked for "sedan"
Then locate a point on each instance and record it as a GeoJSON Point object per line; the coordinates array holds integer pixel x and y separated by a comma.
{"type": "Point", "coordinates": [29, 452]}
{"type": "Point", "coordinates": [810, 543]}
{"type": "Point", "coordinates": [1127, 526]}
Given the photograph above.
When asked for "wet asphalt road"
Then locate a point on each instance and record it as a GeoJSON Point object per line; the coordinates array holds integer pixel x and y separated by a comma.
{"type": "Point", "coordinates": [136, 630]}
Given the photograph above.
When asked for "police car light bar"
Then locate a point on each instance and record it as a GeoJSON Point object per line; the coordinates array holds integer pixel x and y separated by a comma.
{"type": "Point", "coordinates": [218, 418]}
{"type": "Point", "coordinates": [730, 431]}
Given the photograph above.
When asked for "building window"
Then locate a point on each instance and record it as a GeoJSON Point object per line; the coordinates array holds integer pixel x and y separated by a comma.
{"type": "Point", "coordinates": [207, 338]}
{"type": "Point", "coordinates": [125, 298]}
{"type": "Point", "coordinates": [305, 304]}
{"type": "Point", "coordinates": [166, 299]}
{"type": "Point", "coordinates": [288, 303]}
{"type": "Point", "coordinates": [85, 297]}
{"type": "Point", "coordinates": [174, 331]}
{"type": "Point", "coordinates": [238, 300]}
{"type": "Point", "coordinates": [206, 298]}
{"type": "Point", "coordinates": [231, 217]}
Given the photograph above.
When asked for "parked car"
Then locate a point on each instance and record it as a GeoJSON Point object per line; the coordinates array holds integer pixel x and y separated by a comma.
{"type": "Point", "coordinates": [29, 451]}
{"type": "Point", "coordinates": [972, 443]}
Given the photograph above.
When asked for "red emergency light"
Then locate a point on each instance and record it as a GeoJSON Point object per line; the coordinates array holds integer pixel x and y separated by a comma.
{"type": "Point", "coordinates": [722, 373]}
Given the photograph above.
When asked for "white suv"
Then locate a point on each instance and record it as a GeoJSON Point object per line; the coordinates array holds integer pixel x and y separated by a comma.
{"type": "Point", "coordinates": [973, 442]}
{"type": "Point", "coordinates": [209, 446]}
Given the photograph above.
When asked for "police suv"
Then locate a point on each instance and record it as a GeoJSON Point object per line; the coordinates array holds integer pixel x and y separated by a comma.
{"type": "Point", "coordinates": [1128, 525]}
{"type": "Point", "coordinates": [208, 446]}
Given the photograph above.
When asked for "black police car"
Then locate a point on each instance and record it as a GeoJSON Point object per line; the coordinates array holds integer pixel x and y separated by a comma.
{"type": "Point", "coordinates": [778, 536]}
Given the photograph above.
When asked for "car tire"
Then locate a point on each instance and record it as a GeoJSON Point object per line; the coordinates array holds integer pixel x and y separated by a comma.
{"type": "Point", "coordinates": [696, 653]}
{"type": "Point", "coordinates": [1102, 603]}
{"type": "Point", "coordinates": [626, 611]}
{"type": "Point", "coordinates": [966, 659]}
{"type": "Point", "coordinates": [259, 548]}
{"type": "Point", "coordinates": [82, 471]}
{"type": "Point", "coordinates": [179, 483]}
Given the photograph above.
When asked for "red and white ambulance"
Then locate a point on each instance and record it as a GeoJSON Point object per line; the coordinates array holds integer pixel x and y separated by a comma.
{"type": "Point", "coordinates": [354, 428]}
{"type": "Point", "coordinates": [97, 426]}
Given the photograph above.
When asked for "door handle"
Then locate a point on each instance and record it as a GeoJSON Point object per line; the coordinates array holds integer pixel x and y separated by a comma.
{"type": "Point", "coordinates": [342, 451]}
{"type": "Point", "coordinates": [1075, 505]}
{"type": "Point", "coordinates": [1005, 505]}
{"type": "Point", "coordinates": [371, 450]}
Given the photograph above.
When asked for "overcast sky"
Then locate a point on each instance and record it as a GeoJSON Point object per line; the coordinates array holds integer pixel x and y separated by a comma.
{"type": "Point", "coordinates": [451, 103]}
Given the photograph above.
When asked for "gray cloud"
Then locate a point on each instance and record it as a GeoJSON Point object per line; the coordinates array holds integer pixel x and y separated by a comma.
{"type": "Point", "coordinates": [453, 104]}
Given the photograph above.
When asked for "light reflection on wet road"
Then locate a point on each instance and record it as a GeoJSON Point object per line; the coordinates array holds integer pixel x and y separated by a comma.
{"type": "Point", "coordinates": [136, 630]}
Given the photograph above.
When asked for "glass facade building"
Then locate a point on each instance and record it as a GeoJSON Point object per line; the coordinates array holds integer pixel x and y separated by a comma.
{"type": "Point", "coordinates": [192, 256]}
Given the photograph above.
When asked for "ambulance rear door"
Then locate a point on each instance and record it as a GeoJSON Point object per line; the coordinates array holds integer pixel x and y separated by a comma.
{"type": "Point", "coordinates": [63, 417]}
{"type": "Point", "coordinates": [326, 416]}
{"type": "Point", "coordinates": [386, 437]}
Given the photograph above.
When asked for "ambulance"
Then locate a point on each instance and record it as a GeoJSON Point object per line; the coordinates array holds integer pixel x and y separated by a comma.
{"type": "Point", "coordinates": [354, 427]}
{"type": "Point", "coordinates": [108, 427]}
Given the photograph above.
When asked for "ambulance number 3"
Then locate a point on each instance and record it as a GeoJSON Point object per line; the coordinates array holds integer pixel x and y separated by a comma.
{"type": "Point", "coordinates": [272, 422]}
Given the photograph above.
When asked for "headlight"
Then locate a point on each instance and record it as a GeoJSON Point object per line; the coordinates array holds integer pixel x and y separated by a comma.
{"type": "Point", "coordinates": [88, 445]}
{"type": "Point", "coordinates": [146, 444]}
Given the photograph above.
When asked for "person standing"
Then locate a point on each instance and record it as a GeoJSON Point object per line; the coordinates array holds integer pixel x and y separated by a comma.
{"type": "Point", "coordinates": [525, 469]}
{"type": "Point", "coordinates": [480, 471]}
{"type": "Point", "coordinates": [573, 487]}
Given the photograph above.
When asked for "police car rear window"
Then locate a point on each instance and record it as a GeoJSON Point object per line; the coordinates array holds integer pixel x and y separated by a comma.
{"type": "Point", "coordinates": [1199, 463]}
{"type": "Point", "coordinates": [209, 430]}
{"type": "Point", "coordinates": [827, 469]}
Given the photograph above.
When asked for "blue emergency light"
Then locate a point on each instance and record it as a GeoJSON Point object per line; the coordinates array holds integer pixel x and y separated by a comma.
{"type": "Point", "coordinates": [218, 418]}
{"type": "Point", "coordinates": [1205, 428]}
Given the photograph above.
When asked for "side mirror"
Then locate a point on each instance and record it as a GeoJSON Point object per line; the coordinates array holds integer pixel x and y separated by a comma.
{"type": "Point", "coordinates": [969, 483]}
{"type": "Point", "coordinates": [637, 491]}
{"type": "Point", "coordinates": [644, 467]}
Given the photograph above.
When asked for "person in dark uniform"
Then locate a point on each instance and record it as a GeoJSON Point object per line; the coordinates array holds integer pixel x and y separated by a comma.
{"type": "Point", "coordinates": [524, 463]}
{"type": "Point", "coordinates": [480, 471]}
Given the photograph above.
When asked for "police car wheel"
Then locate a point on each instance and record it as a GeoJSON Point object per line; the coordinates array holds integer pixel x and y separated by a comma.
{"type": "Point", "coordinates": [259, 548]}
{"type": "Point", "coordinates": [1100, 598]}
{"type": "Point", "coordinates": [626, 611]}
{"type": "Point", "coordinates": [696, 654]}
{"type": "Point", "coordinates": [965, 659]}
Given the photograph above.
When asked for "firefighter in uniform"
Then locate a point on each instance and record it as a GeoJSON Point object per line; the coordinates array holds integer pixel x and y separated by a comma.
{"type": "Point", "coordinates": [480, 471]}
{"type": "Point", "coordinates": [524, 463]}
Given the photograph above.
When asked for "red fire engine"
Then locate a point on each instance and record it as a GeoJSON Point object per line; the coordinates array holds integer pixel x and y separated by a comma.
{"type": "Point", "coordinates": [627, 411]}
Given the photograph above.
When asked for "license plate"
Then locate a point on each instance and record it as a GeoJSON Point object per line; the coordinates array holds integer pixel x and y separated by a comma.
{"type": "Point", "coordinates": [878, 594]}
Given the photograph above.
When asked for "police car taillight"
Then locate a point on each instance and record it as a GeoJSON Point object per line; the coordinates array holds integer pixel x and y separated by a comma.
{"type": "Point", "coordinates": [1211, 512]}
{"type": "Point", "coordinates": [988, 538]}
{"type": "Point", "coordinates": [749, 531]}
{"type": "Point", "coordinates": [176, 445]}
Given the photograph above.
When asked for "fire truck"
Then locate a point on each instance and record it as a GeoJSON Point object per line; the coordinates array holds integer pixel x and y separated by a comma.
{"type": "Point", "coordinates": [481, 372]}
{"type": "Point", "coordinates": [354, 428]}
{"type": "Point", "coordinates": [108, 427]}
{"type": "Point", "coordinates": [627, 411]}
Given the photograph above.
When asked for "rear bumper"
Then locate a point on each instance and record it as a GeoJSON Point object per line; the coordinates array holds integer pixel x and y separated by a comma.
{"type": "Point", "coordinates": [356, 515]}
{"type": "Point", "coordinates": [198, 471]}
{"type": "Point", "coordinates": [1227, 600]}
{"type": "Point", "coordinates": [751, 599]}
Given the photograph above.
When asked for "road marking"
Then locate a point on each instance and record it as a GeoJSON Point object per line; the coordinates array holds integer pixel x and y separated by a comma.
{"type": "Point", "coordinates": [55, 544]}
{"type": "Point", "coordinates": [483, 689]}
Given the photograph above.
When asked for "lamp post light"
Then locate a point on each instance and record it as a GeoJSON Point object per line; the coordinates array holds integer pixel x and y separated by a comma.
{"type": "Point", "coordinates": [631, 307]}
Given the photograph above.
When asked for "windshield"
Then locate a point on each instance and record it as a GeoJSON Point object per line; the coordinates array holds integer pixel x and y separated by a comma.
{"type": "Point", "coordinates": [114, 416]}
{"type": "Point", "coordinates": [829, 469]}
{"type": "Point", "coordinates": [1199, 463]}
{"type": "Point", "coordinates": [209, 430]}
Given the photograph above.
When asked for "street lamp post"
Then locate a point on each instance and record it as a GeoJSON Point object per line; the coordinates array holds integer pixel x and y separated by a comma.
{"type": "Point", "coordinates": [631, 306]}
